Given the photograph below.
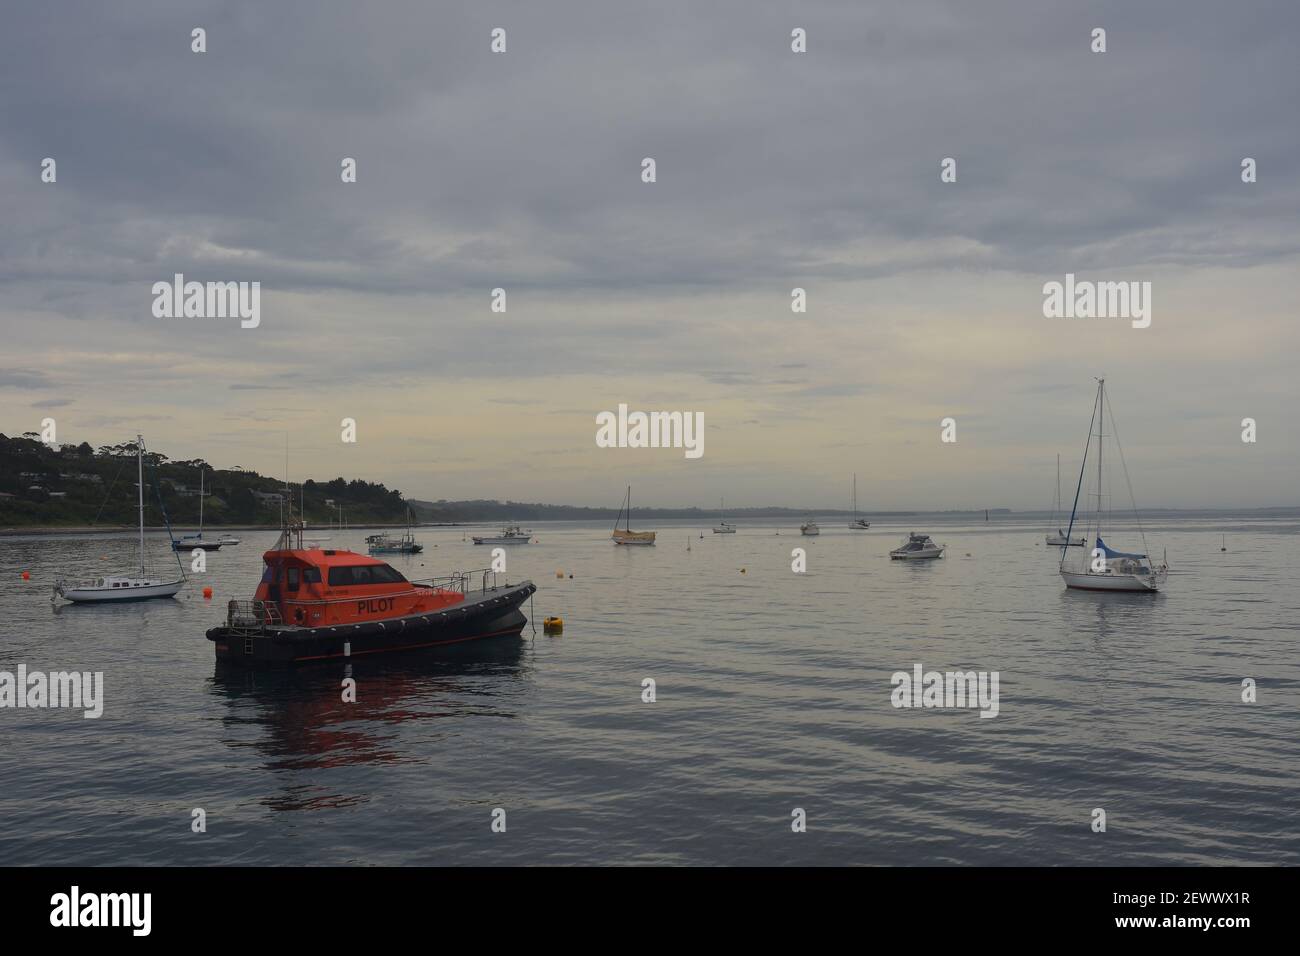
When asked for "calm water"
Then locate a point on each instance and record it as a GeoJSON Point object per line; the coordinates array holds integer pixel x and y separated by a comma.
{"type": "Point", "coordinates": [773, 693]}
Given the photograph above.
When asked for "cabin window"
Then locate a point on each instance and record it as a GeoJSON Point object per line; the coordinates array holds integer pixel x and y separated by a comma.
{"type": "Point", "coordinates": [291, 578]}
{"type": "Point", "coordinates": [354, 574]}
{"type": "Point", "coordinates": [311, 575]}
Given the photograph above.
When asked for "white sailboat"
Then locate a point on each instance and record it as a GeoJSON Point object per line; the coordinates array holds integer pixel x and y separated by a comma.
{"type": "Point", "coordinates": [1058, 537]}
{"type": "Point", "coordinates": [191, 541]}
{"type": "Point", "coordinates": [722, 527]}
{"type": "Point", "coordinates": [123, 587]}
{"type": "Point", "coordinates": [1103, 568]}
{"type": "Point", "coordinates": [857, 524]}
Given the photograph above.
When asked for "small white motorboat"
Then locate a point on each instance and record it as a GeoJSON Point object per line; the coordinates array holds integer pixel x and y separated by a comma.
{"type": "Point", "coordinates": [917, 547]}
{"type": "Point", "coordinates": [809, 528]}
{"type": "Point", "coordinates": [511, 534]}
{"type": "Point", "coordinates": [1059, 538]}
{"type": "Point", "coordinates": [227, 539]}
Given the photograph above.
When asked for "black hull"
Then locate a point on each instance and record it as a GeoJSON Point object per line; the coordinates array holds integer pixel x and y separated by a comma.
{"type": "Point", "coordinates": [493, 613]}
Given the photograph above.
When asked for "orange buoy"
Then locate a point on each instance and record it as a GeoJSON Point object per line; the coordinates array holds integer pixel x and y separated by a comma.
{"type": "Point", "coordinates": [207, 594]}
{"type": "Point", "coordinates": [559, 574]}
{"type": "Point", "coordinates": [27, 575]}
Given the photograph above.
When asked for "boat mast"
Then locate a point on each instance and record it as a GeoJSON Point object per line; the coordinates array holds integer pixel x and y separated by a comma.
{"type": "Point", "coordinates": [139, 452]}
{"type": "Point", "coordinates": [1101, 434]}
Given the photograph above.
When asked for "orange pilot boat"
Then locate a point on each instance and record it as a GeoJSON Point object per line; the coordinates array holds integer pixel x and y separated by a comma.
{"type": "Point", "coordinates": [315, 604]}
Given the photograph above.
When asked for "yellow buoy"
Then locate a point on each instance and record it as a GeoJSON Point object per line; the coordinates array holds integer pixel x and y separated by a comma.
{"type": "Point", "coordinates": [559, 574]}
{"type": "Point", "coordinates": [553, 625]}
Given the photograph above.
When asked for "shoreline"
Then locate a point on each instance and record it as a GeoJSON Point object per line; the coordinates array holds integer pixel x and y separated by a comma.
{"type": "Point", "coordinates": [216, 530]}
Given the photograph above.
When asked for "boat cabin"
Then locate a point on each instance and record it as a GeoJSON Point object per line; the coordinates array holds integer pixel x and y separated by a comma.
{"type": "Point", "coordinates": [318, 588]}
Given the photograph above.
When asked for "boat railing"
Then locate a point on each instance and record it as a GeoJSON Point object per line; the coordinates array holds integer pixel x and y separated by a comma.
{"type": "Point", "coordinates": [464, 582]}
{"type": "Point", "coordinates": [250, 617]}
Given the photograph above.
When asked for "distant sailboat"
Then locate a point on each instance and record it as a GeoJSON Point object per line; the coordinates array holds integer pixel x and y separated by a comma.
{"type": "Point", "coordinates": [1105, 569]}
{"type": "Point", "coordinates": [124, 587]}
{"type": "Point", "coordinates": [722, 526]}
{"type": "Point", "coordinates": [626, 535]}
{"type": "Point", "coordinates": [1058, 537]}
{"type": "Point", "coordinates": [857, 524]}
{"type": "Point", "coordinates": [191, 541]}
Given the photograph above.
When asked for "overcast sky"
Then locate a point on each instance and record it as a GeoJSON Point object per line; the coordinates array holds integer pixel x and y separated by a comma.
{"type": "Point", "coordinates": [775, 170]}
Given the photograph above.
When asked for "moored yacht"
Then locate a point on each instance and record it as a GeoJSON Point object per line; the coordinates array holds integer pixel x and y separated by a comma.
{"type": "Point", "coordinates": [510, 535]}
{"type": "Point", "coordinates": [315, 605]}
{"type": "Point", "coordinates": [809, 528]}
{"type": "Point", "coordinates": [1060, 537]}
{"type": "Point", "coordinates": [625, 535]}
{"type": "Point", "coordinates": [722, 527]}
{"type": "Point", "coordinates": [124, 587]}
{"type": "Point", "coordinates": [917, 547]}
{"type": "Point", "coordinates": [1105, 569]}
{"type": "Point", "coordinates": [190, 542]}
{"type": "Point", "coordinates": [857, 524]}
{"type": "Point", "coordinates": [385, 543]}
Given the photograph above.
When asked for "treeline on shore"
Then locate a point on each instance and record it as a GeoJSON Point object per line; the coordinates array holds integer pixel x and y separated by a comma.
{"type": "Point", "coordinates": [431, 512]}
{"type": "Point", "coordinates": [44, 485]}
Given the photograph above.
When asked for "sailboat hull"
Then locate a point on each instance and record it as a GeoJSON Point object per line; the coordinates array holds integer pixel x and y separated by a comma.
{"type": "Point", "coordinates": [1138, 583]}
{"type": "Point", "coordinates": [1057, 540]}
{"type": "Point", "coordinates": [86, 593]}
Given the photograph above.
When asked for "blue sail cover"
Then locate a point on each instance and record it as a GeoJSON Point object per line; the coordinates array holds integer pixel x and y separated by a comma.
{"type": "Point", "coordinates": [1101, 546]}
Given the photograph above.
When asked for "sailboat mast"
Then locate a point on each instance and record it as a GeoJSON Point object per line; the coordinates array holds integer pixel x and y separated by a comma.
{"type": "Point", "coordinates": [139, 452]}
{"type": "Point", "coordinates": [1101, 434]}
{"type": "Point", "coordinates": [200, 501]}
